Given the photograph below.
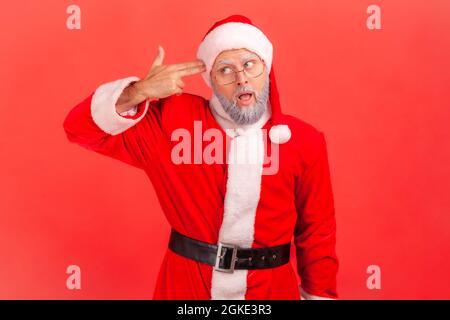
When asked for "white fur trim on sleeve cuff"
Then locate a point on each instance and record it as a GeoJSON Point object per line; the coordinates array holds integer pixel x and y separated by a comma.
{"type": "Point", "coordinates": [306, 296]}
{"type": "Point", "coordinates": [103, 107]}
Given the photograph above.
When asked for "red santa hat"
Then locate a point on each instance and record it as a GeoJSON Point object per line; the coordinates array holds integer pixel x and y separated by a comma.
{"type": "Point", "coordinates": [236, 32]}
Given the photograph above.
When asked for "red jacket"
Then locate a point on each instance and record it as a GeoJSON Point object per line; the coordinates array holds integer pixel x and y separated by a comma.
{"type": "Point", "coordinates": [295, 204]}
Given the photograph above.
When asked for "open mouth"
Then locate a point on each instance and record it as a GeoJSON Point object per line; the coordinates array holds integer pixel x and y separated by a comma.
{"type": "Point", "coordinates": [245, 96]}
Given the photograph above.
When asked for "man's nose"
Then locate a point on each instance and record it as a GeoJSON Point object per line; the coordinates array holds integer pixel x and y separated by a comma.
{"type": "Point", "coordinates": [241, 78]}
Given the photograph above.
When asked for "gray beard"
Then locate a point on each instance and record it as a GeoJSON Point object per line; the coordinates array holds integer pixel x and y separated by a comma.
{"type": "Point", "coordinates": [249, 114]}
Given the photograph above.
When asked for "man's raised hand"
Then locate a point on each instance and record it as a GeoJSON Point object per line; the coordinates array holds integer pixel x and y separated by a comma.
{"type": "Point", "coordinates": [165, 80]}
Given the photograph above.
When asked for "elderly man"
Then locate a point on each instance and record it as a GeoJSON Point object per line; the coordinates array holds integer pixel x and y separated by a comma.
{"type": "Point", "coordinates": [232, 219]}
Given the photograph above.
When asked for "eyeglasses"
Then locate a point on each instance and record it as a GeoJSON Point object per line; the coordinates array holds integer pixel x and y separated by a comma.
{"type": "Point", "coordinates": [253, 68]}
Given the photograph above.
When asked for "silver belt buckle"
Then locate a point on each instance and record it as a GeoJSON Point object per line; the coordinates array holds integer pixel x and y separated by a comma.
{"type": "Point", "coordinates": [219, 256]}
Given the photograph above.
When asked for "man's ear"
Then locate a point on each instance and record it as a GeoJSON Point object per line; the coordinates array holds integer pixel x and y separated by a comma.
{"type": "Point", "coordinates": [211, 75]}
{"type": "Point", "coordinates": [213, 81]}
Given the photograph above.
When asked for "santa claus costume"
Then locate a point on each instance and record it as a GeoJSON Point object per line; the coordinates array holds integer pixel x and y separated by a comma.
{"type": "Point", "coordinates": [226, 202]}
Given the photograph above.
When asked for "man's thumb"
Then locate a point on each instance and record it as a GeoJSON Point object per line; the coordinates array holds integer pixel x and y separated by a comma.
{"type": "Point", "coordinates": [159, 58]}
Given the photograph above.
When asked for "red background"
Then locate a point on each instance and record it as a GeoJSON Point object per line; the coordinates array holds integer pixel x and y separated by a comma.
{"type": "Point", "coordinates": [381, 97]}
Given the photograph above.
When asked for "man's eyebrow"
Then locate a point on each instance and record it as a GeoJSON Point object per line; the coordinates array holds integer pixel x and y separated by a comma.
{"type": "Point", "coordinates": [243, 58]}
{"type": "Point", "coordinates": [224, 61]}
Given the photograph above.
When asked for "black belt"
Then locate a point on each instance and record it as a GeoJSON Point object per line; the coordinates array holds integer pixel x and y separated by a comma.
{"type": "Point", "coordinates": [228, 257]}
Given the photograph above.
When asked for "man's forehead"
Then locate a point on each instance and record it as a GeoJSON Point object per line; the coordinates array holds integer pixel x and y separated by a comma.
{"type": "Point", "coordinates": [234, 55]}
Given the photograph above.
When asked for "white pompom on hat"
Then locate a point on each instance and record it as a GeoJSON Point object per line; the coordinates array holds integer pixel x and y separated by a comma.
{"type": "Point", "coordinates": [236, 32]}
